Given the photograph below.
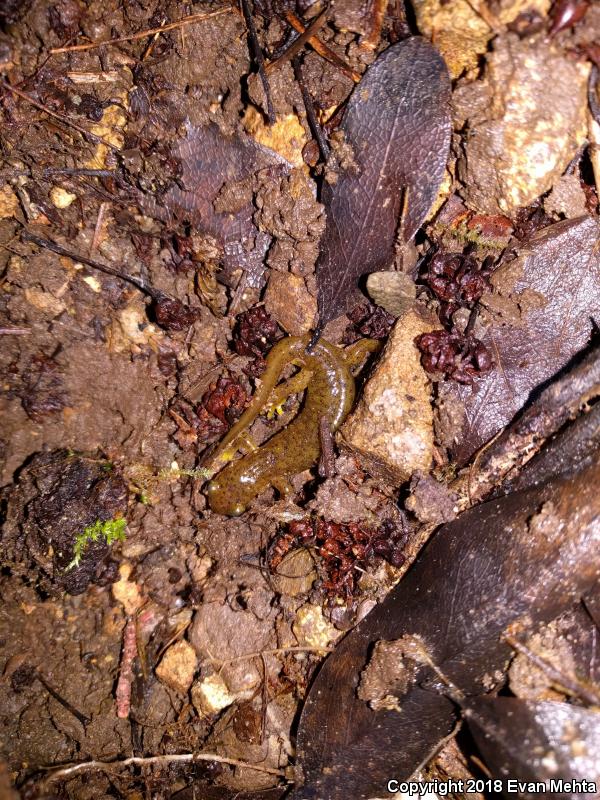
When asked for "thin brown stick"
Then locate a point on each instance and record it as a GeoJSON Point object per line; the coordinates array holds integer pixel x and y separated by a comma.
{"type": "Point", "coordinates": [322, 49]}
{"type": "Point", "coordinates": [569, 683]}
{"type": "Point", "coordinates": [65, 120]}
{"type": "Point", "coordinates": [140, 761]}
{"type": "Point", "coordinates": [98, 228]}
{"type": "Point", "coordinates": [27, 236]}
{"type": "Point", "coordinates": [299, 43]}
{"type": "Point", "coordinates": [170, 26]}
{"type": "Point", "coordinates": [257, 54]}
{"type": "Point", "coordinates": [14, 331]}
{"type": "Point", "coordinates": [275, 652]}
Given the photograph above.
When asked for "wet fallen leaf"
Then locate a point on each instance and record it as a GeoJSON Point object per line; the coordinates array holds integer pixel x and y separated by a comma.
{"type": "Point", "coordinates": [398, 125]}
{"type": "Point", "coordinates": [545, 302]}
{"type": "Point", "coordinates": [540, 741]}
{"type": "Point", "coordinates": [517, 561]}
{"type": "Point", "coordinates": [211, 162]}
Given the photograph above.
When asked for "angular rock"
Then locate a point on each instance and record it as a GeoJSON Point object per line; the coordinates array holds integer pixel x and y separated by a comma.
{"type": "Point", "coordinates": [178, 667]}
{"type": "Point", "coordinates": [532, 125]}
{"type": "Point", "coordinates": [211, 695]}
{"type": "Point", "coordinates": [288, 300]}
{"type": "Point", "coordinates": [391, 430]}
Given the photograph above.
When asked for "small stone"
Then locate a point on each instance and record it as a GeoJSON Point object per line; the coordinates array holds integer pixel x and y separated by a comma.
{"type": "Point", "coordinates": [312, 629]}
{"type": "Point", "coordinates": [178, 667]}
{"type": "Point", "coordinates": [288, 300]}
{"type": "Point", "coordinates": [61, 198]}
{"type": "Point", "coordinates": [391, 430]}
{"type": "Point", "coordinates": [394, 291]}
{"type": "Point", "coordinates": [211, 695]}
{"type": "Point", "coordinates": [295, 574]}
{"type": "Point", "coordinates": [9, 203]}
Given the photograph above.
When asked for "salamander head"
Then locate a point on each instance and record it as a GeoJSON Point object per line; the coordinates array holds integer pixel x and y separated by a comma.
{"type": "Point", "coordinates": [222, 500]}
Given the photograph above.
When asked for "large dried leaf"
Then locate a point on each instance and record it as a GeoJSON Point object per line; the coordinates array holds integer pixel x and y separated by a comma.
{"type": "Point", "coordinates": [527, 557]}
{"type": "Point", "coordinates": [516, 737]}
{"type": "Point", "coordinates": [212, 164]}
{"type": "Point", "coordinates": [544, 304]}
{"type": "Point", "coordinates": [398, 125]}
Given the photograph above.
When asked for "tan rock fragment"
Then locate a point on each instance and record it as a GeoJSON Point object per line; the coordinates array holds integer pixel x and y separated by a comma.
{"type": "Point", "coordinates": [459, 29]}
{"type": "Point", "coordinates": [9, 202]}
{"type": "Point", "coordinates": [391, 430]}
{"type": "Point", "coordinates": [533, 127]}
{"type": "Point", "coordinates": [178, 666]}
{"type": "Point", "coordinates": [211, 695]}
{"type": "Point", "coordinates": [289, 301]}
{"type": "Point", "coordinates": [312, 629]}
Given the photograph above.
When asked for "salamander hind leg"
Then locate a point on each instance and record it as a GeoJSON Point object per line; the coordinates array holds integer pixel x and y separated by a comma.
{"type": "Point", "coordinates": [283, 485]}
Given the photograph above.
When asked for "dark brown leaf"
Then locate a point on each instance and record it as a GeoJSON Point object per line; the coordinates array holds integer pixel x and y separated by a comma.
{"type": "Point", "coordinates": [211, 161]}
{"type": "Point", "coordinates": [516, 737]}
{"type": "Point", "coordinates": [524, 557]}
{"type": "Point", "coordinates": [398, 125]}
{"type": "Point", "coordinates": [547, 300]}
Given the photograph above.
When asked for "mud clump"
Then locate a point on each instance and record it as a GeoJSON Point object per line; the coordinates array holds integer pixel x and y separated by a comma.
{"type": "Point", "coordinates": [56, 498]}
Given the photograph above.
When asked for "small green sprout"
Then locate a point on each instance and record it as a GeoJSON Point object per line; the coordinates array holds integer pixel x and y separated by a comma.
{"type": "Point", "coordinates": [112, 530]}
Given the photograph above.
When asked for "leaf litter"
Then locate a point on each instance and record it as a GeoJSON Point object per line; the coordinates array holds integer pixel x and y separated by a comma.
{"type": "Point", "coordinates": [229, 229]}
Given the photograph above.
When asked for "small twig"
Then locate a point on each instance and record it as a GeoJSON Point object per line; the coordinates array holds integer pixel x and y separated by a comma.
{"type": "Point", "coordinates": [14, 331]}
{"type": "Point", "coordinates": [313, 122]}
{"type": "Point", "coordinates": [299, 43]}
{"type": "Point", "coordinates": [491, 20]}
{"type": "Point", "coordinates": [275, 652]}
{"type": "Point", "coordinates": [322, 49]}
{"type": "Point", "coordinates": [570, 683]}
{"type": "Point", "coordinates": [65, 120]}
{"type": "Point", "coordinates": [140, 761]}
{"type": "Point", "coordinates": [258, 56]}
{"type": "Point", "coordinates": [88, 173]}
{"type": "Point", "coordinates": [61, 700]}
{"type": "Point", "coordinates": [142, 34]}
{"type": "Point", "coordinates": [371, 40]}
{"type": "Point", "coordinates": [98, 228]}
{"type": "Point", "coordinates": [77, 257]}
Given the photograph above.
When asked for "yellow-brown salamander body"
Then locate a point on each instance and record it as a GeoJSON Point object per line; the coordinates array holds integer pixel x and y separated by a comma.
{"type": "Point", "coordinates": [329, 386]}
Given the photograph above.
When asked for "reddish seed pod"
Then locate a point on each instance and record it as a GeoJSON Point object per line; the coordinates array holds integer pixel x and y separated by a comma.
{"type": "Point", "coordinates": [566, 13]}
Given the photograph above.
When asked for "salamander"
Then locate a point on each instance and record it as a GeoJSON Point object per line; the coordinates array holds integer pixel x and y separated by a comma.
{"type": "Point", "coordinates": [327, 377]}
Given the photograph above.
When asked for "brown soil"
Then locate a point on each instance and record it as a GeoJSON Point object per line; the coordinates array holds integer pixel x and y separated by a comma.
{"type": "Point", "coordinates": [101, 395]}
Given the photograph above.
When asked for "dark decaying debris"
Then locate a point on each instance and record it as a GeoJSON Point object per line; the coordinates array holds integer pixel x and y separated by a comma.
{"type": "Point", "coordinates": [368, 321]}
{"type": "Point", "coordinates": [55, 499]}
{"type": "Point", "coordinates": [455, 355]}
{"type": "Point", "coordinates": [477, 576]}
{"type": "Point", "coordinates": [345, 551]}
{"type": "Point", "coordinates": [397, 123]}
{"type": "Point", "coordinates": [43, 392]}
{"type": "Point", "coordinates": [457, 281]}
{"type": "Point", "coordinates": [173, 315]}
{"type": "Point", "coordinates": [254, 334]}
{"type": "Point", "coordinates": [221, 405]}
